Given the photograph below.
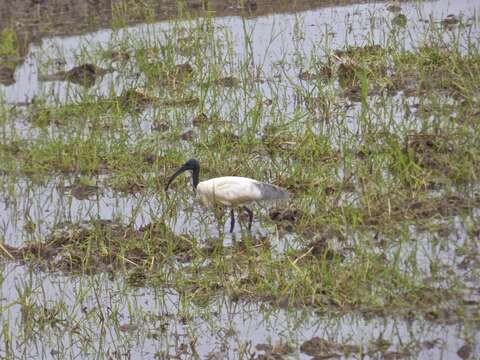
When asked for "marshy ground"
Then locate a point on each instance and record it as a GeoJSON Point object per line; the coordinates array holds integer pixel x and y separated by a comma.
{"type": "Point", "coordinates": [367, 113]}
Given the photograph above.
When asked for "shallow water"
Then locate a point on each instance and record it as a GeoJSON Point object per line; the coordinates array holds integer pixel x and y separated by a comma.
{"type": "Point", "coordinates": [30, 212]}
{"type": "Point", "coordinates": [117, 320]}
{"type": "Point", "coordinates": [223, 327]}
{"type": "Point", "coordinates": [273, 39]}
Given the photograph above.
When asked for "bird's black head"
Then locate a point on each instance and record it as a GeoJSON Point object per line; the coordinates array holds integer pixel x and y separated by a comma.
{"type": "Point", "coordinates": [191, 164]}
{"type": "Point", "coordinates": [194, 166]}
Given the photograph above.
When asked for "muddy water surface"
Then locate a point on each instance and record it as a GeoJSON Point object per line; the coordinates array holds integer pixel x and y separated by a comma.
{"type": "Point", "coordinates": [102, 315]}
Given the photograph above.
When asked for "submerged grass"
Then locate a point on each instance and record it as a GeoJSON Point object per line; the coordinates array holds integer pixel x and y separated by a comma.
{"type": "Point", "coordinates": [369, 140]}
{"type": "Point", "coordinates": [316, 275]}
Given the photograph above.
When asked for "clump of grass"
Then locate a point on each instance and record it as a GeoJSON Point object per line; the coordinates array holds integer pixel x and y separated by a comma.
{"type": "Point", "coordinates": [443, 69]}
{"type": "Point", "coordinates": [79, 156]}
{"type": "Point", "coordinates": [104, 246]}
{"type": "Point", "coordinates": [9, 55]}
{"type": "Point", "coordinates": [9, 47]}
{"type": "Point", "coordinates": [317, 275]}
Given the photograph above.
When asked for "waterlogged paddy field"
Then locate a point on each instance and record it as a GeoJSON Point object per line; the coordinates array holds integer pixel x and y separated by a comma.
{"type": "Point", "coordinates": [368, 114]}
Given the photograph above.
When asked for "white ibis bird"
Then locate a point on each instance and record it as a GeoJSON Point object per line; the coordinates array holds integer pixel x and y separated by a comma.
{"type": "Point", "coordinates": [233, 191]}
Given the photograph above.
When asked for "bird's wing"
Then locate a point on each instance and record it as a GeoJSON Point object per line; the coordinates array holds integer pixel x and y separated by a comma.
{"type": "Point", "coordinates": [271, 192]}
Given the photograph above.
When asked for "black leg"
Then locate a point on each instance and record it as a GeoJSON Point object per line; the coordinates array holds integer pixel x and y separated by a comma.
{"type": "Point", "coordinates": [250, 217]}
{"type": "Point", "coordinates": [232, 220]}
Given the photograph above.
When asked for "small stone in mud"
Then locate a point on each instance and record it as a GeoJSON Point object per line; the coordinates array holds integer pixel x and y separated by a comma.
{"type": "Point", "coordinates": [282, 348]}
{"type": "Point", "coordinates": [149, 158]}
{"type": "Point", "coordinates": [275, 352]}
{"type": "Point", "coordinates": [449, 21]}
{"type": "Point", "coordinates": [329, 190]}
{"type": "Point", "coordinates": [160, 126]}
{"type": "Point", "coordinates": [284, 215]}
{"type": "Point", "coordinates": [362, 155]}
{"type": "Point", "coordinates": [465, 351]}
{"type": "Point", "coordinates": [324, 349]}
{"type": "Point", "coordinates": [7, 75]}
{"type": "Point", "coordinates": [83, 191]}
{"type": "Point", "coordinates": [268, 102]}
{"type": "Point", "coordinates": [319, 347]}
{"type": "Point", "coordinates": [128, 327]}
{"type": "Point", "coordinates": [430, 344]}
{"type": "Point", "coordinates": [187, 135]}
{"type": "Point", "coordinates": [200, 119]}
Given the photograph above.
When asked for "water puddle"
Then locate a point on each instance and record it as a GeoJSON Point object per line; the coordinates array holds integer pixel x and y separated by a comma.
{"type": "Point", "coordinates": [257, 47]}
{"type": "Point", "coordinates": [82, 316]}
{"type": "Point", "coordinates": [32, 212]}
{"type": "Point", "coordinates": [274, 87]}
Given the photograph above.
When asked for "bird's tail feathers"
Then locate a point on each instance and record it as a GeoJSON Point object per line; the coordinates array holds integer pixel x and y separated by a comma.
{"type": "Point", "coordinates": [273, 192]}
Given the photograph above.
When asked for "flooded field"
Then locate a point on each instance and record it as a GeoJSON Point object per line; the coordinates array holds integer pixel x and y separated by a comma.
{"type": "Point", "coordinates": [367, 113]}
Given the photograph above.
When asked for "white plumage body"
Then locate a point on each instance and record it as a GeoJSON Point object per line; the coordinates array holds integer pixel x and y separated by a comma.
{"type": "Point", "coordinates": [236, 190]}
{"type": "Point", "coordinates": [231, 191]}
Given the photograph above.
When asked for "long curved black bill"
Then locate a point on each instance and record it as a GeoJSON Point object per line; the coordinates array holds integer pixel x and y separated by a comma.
{"type": "Point", "coordinates": [178, 172]}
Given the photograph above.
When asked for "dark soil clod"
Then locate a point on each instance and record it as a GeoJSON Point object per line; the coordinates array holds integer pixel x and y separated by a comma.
{"type": "Point", "coordinates": [290, 215]}
{"type": "Point", "coordinates": [85, 75]}
{"type": "Point", "coordinates": [465, 351]}
{"type": "Point", "coordinates": [101, 245]}
{"type": "Point", "coordinates": [134, 100]}
{"type": "Point", "coordinates": [450, 21]}
{"type": "Point", "coordinates": [188, 102]}
{"type": "Point", "coordinates": [7, 77]}
{"type": "Point", "coordinates": [324, 349]}
{"type": "Point", "coordinates": [187, 135]}
{"type": "Point", "coordinates": [82, 192]}
{"type": "Point", "coordinates": [227, 81]}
